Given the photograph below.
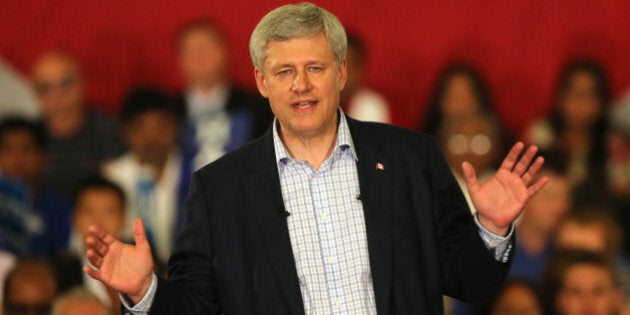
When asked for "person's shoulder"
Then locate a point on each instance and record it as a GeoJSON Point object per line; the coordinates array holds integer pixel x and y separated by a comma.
{"type": "Point", "coordinates": [236, 162]}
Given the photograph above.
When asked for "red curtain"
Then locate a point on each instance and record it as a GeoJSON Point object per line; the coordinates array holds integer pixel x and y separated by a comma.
{"type": "Point", "coordinates": [518, 46]}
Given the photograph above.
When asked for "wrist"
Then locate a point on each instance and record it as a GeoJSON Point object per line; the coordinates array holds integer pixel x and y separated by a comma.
{"type": "Point", "coordinates": [146, 284]}
{"type": "Point", "coordinates": [499, 230]}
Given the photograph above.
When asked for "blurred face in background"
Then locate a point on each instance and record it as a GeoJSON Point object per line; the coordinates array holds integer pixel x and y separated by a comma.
{"type": "Point", "coordinates": [58, 84]}
{"type": "Point", "coordinates": [151, 136]}
{"type": "Point", "coordinates": [517, 299]}
{"type": "Point", "coordinates": [471, 138]}
{"type": "Point", "coordinates": [30, 291]}
{"type": "Point", "coordinates": [588, 289]}
{"type": "Point", "coordinates": [460, 98]}
{"type": "Point", "coordinates": [202, 57]}
{"type": "Point", "coordinates": [21, 158]}
{"type": "Point", "coordinates": [98, 206]}
{"type": "Point", "coordinates": [82, 307]}
{"type": "Point", "coordinates": [544, 211]}
{"type": "Point", "coordinates": [591, 237]}
{"type": "Point", "coordinates": [580, 105]}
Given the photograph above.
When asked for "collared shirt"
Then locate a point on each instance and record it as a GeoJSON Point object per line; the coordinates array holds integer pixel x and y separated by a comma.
{"type": "Point", "coordinates": [327, 231]}
{"type": "Point", "coordinates": [327, 228]}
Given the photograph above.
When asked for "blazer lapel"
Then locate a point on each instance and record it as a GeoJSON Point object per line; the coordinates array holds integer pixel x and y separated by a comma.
{"type": "Point", "coordinates": [375, 182]}
{"type": "Point", "coordinates": [262, 187]}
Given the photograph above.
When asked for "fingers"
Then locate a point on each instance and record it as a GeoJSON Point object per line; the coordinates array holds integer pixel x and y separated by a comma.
{"type": "Point", "coordinates": [101, 235]}
{"type": "Point", "coordinates": [139, 234]}
{"type": "Point", "coordinates": [533, 170]}
{"type": "Point", "coordinates": [470, 175]}
{"type": "Point", "coordinates": [94, 273]}
{"type": "Point", "coordinates": [525, 160]}
{"type": "Point", "coordinates": [510, 160]}
{"type": "Point", "coordinates": [533, 189]}
{"type": "Point", "coordinates": [95, 259]}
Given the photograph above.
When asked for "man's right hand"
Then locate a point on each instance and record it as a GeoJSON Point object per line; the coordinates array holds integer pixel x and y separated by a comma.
{"type": "Point", "coordinates": [122, 267]}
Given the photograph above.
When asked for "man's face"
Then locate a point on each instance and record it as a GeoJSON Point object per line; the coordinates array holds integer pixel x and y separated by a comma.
{"type": "Point", "coordinates": [81, 307]}
{"type": "Point", "coordinates": [30, 294]}
{"type": "Point", "coordinates": [588, 289]}
{"type": "Point", "coordinates": [101, 207]}
{"type": "Point", "coordinates": [21, 159]}
{"type": "Point", "coordinates": [151, 136]}
{"type": "Point", "coordinates": [202, 57]}
{"type": "Point", "coordinates": [58, 85]}
{"type": "Point", "coordinates": [302, 80]}
{"type": "Point", "coordinates": [545, 210]}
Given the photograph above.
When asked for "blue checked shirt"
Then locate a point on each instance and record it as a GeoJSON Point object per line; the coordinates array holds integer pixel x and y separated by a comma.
{"type": "Point", "coordinates": [327, 231]}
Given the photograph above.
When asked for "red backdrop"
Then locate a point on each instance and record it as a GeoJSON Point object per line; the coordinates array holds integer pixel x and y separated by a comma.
{"type": "Point", "coordinates": [518, 45]}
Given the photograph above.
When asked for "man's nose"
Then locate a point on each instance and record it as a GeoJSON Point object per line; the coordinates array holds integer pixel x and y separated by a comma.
{"type": "Point", "coordinates": [301, 83]}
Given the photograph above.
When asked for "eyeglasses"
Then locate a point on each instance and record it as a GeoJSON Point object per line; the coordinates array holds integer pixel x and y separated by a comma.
{"type": "Point", "coordinates": [27, 309]}
{"type": "Point", "coordinates": [65, 83]}
{"type": "Point", "coordinates": [459, 144]}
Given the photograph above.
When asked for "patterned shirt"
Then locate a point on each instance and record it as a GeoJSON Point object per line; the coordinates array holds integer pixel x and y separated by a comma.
{"type": "Point", "coordinates": [327, 231]}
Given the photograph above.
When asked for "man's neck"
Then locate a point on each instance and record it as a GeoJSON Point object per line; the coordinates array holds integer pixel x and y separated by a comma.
{"type": "Point", "coordinates": [312, 149]}
{"type": "Point", "coordinates": [66, 125]}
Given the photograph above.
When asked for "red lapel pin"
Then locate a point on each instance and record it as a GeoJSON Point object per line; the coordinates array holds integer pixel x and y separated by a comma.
{"type": "Point", "coordinates": [380, 166]}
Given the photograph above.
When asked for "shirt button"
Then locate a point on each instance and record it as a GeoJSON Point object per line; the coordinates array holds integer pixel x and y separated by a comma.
{"type": "Point", "coordinates": [331, 260]}
{"type": "Point", "coordinates": [324, 216]}
{"type": "Point", "coordinates": [338, 302]}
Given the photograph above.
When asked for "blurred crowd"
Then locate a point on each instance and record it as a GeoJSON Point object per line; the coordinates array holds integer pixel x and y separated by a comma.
{"type": "Point", "coordinates": [65, 166]}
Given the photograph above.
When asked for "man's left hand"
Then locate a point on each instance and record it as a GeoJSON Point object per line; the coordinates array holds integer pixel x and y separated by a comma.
{"type": "Point", "coordinates": [501, 199]}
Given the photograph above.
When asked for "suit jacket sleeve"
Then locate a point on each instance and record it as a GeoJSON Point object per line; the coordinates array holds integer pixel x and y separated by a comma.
{"type": "Point", "coordinates": [191, 289]}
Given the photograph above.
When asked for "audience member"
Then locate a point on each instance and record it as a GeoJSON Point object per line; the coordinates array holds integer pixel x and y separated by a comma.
{"type": "Point", "coordinates": [79, 138]}
{"type": "Point", "coordinates": [153, 173]}
{"type": "Point", "coordinates": [97, 201]}
{"type": "Point", "coordinates": [537, 226]}
{"type": "Point", "coordinates": [459, 91]}
{"type": "Point", "coordinates": [593, 228]}
{"type": "Point", "coordinates": [475, 138]}
{"type": "Point", "coordinates": [581, 282]}
{"type": "Point", "coordinates": [222, 116]}
{"type": "Point", "coordinates": [22, 158]}
{"type": "Point", "coordinates": [29, 289]}
{"type": "Point", "coordinates": [517, 297]}
{"type": "Point", "coordinates": [618, 165]}
{"type": "Point", "coordinates": [578, 123]}
{"type": "Point", "coordinates": [357, 100]}
{"type": "Point", "coordinates": [79, 301]}
{"type": "Point", "coordinates": [17, 97]}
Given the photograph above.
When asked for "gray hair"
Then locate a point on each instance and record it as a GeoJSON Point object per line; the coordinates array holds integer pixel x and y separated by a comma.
{"type": "Point", "coordinates": [297, 21]}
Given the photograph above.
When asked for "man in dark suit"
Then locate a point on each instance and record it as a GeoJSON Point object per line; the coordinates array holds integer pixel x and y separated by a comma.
{"type": "Point", "coordinates": [221, 116]}
{"type": "Point", "coordinates": [324, 214]}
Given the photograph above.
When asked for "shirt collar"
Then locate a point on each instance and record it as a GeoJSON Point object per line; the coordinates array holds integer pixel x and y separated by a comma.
{"type": "Point", "coordinates": [342, 143]}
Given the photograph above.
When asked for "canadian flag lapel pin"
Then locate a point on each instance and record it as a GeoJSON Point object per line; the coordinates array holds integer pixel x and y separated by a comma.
{"type": "Point", "coordinates": [380, 167]}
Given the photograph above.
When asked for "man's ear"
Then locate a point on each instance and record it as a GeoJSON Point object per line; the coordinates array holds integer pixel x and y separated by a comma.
{"type": "Point", "coordinates": [260, 82]}
{"type": "Point", "coordinates": [343, 74]}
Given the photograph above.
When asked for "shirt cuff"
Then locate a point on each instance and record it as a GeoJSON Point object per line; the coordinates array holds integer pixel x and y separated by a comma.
{"type": "Point", "coordinates": [143, 307]}
{"type": "Point", "coordinates": [500, 246]}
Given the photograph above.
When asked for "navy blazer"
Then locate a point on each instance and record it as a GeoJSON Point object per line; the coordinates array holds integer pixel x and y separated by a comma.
{"type": "Point", "coordinates": [234, 253]}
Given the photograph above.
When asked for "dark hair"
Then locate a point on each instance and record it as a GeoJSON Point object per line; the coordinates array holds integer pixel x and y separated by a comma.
{"type": "Point", "coordinates": [34, 128]}
{"type": "Point", "coordinates": [433, 118]}
{"type": "Point", "coordinates": [510, 283]}
{"type": "Point", "coordinates": [147, 99]}
{"type": "Point", "coordinates": [97, 182]}
{"type": "Point", "coordinates": [558, 265]}
{"type": "Point", "coordinates": [205, 24]}
{"type": "Point", "coordinates": [28, 265]}
{"type": "Point", "coordinates": [356, 42]}
{"type": "Point", "coordinates": [597, 154]}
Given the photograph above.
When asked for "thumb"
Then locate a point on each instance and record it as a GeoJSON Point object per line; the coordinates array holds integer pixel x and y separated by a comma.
{"type": "Point", "coordinates": [470, 175]}
{"type": "Point", "coordinates": [139, 235]}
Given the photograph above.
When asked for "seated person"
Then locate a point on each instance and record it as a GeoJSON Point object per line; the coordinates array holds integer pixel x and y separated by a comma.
{"type": "Point", "coordinates": [154, 173]}
{"type": "Point", "coordinates": [357, 100]}
{"type": "Point", "coordinates": [99, 202]}
{"type": "Point", "coordinates": [79, 301]}
{"type": "Point", "coordinates": [221, 116]}
{"type": "Point", "coordinates": [581, 282]}
{"type": "Point", "coordinates": [29, 288]}
{"type": "Point", "coordinates": [516, 297]}
{"type": "Point", "coordinates": [22, 159]}
{"type": "Point", "coordinates": [79, 138]}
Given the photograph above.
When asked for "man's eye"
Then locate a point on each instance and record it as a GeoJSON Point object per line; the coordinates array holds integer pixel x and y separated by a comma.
{"type": "Point", "coordinates": [284, 73]}
{"type": "Point", "coordinates": [315, 69]}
